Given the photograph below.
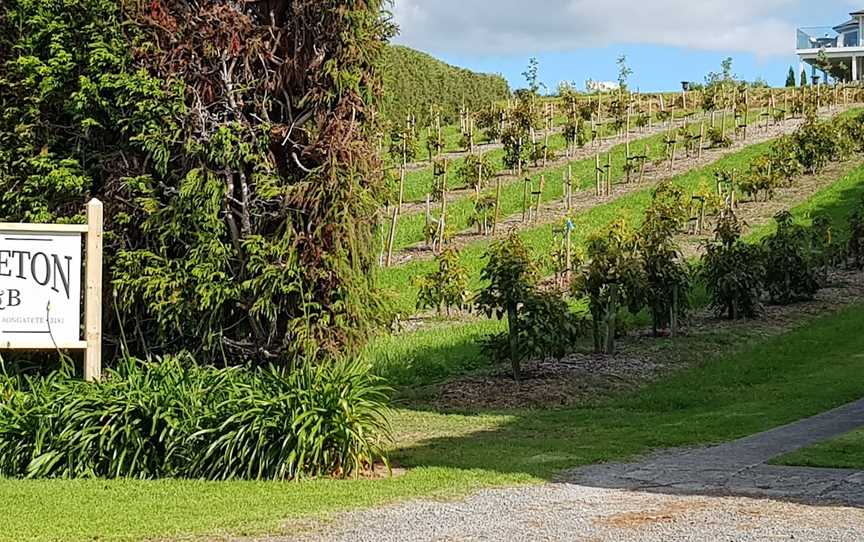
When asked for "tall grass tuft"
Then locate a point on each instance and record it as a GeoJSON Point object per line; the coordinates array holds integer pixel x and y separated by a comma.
{"type": "Point", "coordinates": [173, 418]}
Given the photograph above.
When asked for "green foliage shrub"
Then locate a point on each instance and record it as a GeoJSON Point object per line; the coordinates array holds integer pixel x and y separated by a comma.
{"type": "Point", "coordinates": [816, 142]}
{"type": "Point", "coordinates": [783, 156]}
{"type": "Point", "coordinates": [233, 159]}
{"type": "Point", "coordinates": [540, 324]}
{"type": "Point", "coordinates": [611, 278]}
{"type": "Point", "coordinates": [577, 132]}
{"type": "Point", "coordinates": [516, 149]}
{"type": "Point", "coordinates": [176, 419]}
{"type": "Point", "coordinates": [761, 178]}
{"type": "Point", "coordinates": [511, 275]}
{"type": "Point", "coordinates": [717, 139]}
{"type": "Point", "coordinates": [856, 235]}
{"type": "Point", "coordinates": [447, 287]}
{"type": "Point", "coordinates": [852, 130]}
{"type": "Point", "coordinates": [667, 276]}
{"type": "Point", "coordinates": [484, 213]}
{"type": "Point", "coordinates": [733, 271]}
{"type": "Point", "coordinates": [489, 120]}
{"type": "Point", "coordinates": [547, 329]}
{"type": "Point", "coordinates": [790, 270]}
{"type": "Point", "coordinates": [475, 171]}
{"type": "Point", "coordinates": [414, 81]}
{"type": "Point", "coordinates": [403, 145]}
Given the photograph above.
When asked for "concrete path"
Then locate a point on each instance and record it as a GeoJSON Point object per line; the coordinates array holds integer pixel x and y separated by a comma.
{"type": "Point", "coordinates": [738, 468]}
{"type": "Point", "coordinates": [724, 492]}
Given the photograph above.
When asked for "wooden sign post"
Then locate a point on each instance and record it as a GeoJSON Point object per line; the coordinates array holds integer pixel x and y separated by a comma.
{"type": "Point", "coordinates": [41, 288]}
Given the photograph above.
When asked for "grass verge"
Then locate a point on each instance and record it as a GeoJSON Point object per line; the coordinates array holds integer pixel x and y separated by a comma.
{"type": "Point", "coordinates": [844, 452]}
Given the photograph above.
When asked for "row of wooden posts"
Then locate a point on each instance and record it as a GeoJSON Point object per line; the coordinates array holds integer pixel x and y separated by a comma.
{"type": "Point", "coordinates": [532, 199]}
{"type": "Point", "coordinates": [825, 95]}
{"type": "Point", "coordinates": [603, 170]}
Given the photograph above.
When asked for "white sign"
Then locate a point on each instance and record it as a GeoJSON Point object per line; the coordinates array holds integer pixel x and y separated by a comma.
{"type": "Point", "coordinates": [40, 288]}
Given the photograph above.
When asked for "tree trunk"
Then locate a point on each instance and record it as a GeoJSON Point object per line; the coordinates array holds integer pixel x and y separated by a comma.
{"type": "Point", "coordinates": [595, 321]}
{"type": "Point", "coordinates": [610, 317]}
{"type": "Point", "coordinates": [513, 332]}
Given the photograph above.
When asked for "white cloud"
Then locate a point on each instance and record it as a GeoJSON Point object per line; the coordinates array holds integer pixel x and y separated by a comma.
{"type": "Point", "coordinates": [524, 26]}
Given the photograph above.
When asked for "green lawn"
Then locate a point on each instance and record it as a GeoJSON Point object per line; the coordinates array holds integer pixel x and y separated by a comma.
{"type": "Point", "coordinates": [845, 452]}
{"type": "Point", "coordinates": [433, 354]}
{"type": "Point", "coordinates": [749, 386]}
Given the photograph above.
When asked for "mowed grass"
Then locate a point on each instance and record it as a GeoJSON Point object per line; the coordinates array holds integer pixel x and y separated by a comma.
{"type": "Point", "coordinates": [844, 452]}
{"type": "Point", "coordinates": [750, 387]}
{"type": "Point", "coordinates": [433, 354]}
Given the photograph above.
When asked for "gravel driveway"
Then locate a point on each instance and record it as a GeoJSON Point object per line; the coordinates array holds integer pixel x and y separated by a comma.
{"type": "Point", "coordinates": [721, 493]}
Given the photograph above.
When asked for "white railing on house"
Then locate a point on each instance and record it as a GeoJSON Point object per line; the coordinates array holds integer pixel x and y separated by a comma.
{"type": "Point", "coordinates": [819, 37]}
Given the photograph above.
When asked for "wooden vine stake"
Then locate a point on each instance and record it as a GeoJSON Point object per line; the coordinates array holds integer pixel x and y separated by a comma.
{"type": "Point", "coordinates": [568, 249]}
{"type": "Point", "coordinates": [608, 168]}
{"type": "Point", "coordinates": [671, 143]}
{"type": "Point", "coordinates": [539, 195]}
{"type": "Point", "coordinates": [597, 174]}
{"type": "Point", "coordinates": [442, 223]}
{"type": "Point", "coordinates": [402, 168]}
{"type": "Point", "coordinates": [519, 159]}
{"type": "Point", "coordinates": [391, 237]}
{"type": "Point", "coordinates": [642, 164]}
{"type": "Point", "coordinates": [497, 206]}
{"type": "Point", "coordinates": [650, 113]}
{"type": "Point", "coordinates": [546, 149]}
{"type": "Point", "coordinates": [442, 220]}
{"type": "Point", "coordinates": [428, 218]}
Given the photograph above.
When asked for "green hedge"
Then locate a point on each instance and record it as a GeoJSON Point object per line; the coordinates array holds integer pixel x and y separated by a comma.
{"type": "Point", "coordinates": [231, 146]}
{"type": "Point", "coordinates": [413, 81]}
{"type": "Point", "coordinates": [177, 419]}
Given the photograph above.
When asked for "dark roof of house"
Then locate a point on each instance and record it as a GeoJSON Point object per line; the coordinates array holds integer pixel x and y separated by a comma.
{"type": "Point", "coordinates": [851, 23]}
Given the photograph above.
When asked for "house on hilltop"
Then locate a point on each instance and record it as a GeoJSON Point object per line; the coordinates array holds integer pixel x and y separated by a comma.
{"type": "Point", "coordinates": [837, 50]}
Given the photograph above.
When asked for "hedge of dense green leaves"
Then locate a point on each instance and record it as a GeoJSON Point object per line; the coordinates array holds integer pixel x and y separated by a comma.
{"type": "Point", "coordinates": [230, 145]}
{"type": "Point", "coordinates": [178, 419]}
{"type": "Point", "coordinates": [415, 81]}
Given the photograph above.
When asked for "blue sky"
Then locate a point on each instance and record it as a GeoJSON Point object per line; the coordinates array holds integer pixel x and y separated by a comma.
{"type": "Point", "coordinates": [666, 41]}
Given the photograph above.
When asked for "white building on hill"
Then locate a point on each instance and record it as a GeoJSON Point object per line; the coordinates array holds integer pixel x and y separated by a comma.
{"type": "Point", "coordinates": [601, 86]}
{"type": "Point", "coordinates": [841, 44]}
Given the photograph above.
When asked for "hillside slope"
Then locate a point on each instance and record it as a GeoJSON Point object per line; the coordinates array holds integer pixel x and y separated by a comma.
{"type": "Point", "coordinates": [414, 80]}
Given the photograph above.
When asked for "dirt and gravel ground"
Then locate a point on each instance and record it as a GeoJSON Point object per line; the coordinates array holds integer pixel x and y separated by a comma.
{"type": "Point", "coordinates": [572, 513]}
{"type": "Point", "coordinates": [723, 492]}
